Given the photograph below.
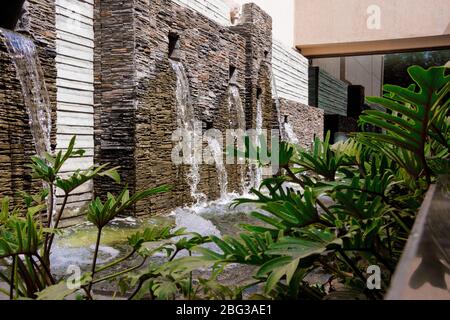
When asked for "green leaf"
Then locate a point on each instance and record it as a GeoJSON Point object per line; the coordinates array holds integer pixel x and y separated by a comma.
{"type": "Point", "coordinates": [411, 118]}
{"type": "Point", "coordinates": [112, 173]}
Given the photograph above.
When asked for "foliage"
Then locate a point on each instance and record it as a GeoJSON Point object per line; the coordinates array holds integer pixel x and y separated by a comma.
{"type": "Point", "coordinates": [333, 210]}
{"type": "Point", "coordinates": [340, 208]}
{"type": "Point", "coordinates": [396, 65]}
{"type": "Point", "coordinates": [416, 124]}
{"type": "Point", "coordinates": [26, 242]}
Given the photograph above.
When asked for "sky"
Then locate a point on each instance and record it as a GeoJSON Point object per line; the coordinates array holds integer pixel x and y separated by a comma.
{"type": "Point", "coordinates": [282, 12]}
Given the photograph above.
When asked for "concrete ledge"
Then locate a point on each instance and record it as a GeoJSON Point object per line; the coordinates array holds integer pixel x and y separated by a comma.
{"type": "Point", "coordinates": [423, 272]}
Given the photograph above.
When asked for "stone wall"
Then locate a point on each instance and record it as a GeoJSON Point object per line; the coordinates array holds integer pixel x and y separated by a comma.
{"type": "Point", "coordinates": [216, 10]}
{"type": "Point", "coordinates": [290, 68]}
{"type": "Point", "coordinates": [114, 90]}
{"type": "Point", "coordinates": [307, 122]}
{"type": "Point", "coordinates": [256, 27]}
{"type": "Point", "coordinates": [135, 102]}
{"type": "Point", "coordinates": [207, 50]}
{"type": "Point", "coordinates": [16, 146]}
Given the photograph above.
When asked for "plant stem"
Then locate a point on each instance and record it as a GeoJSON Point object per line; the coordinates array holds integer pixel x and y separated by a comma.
{"type": "Point", "coordinates": [50, 206]}
{"type": "Point", "coordinates": [190, 280]}
{"type": "Point", "coordinates": [30, 286]}
{"type": "Point", "coordinates": [112, 264]}
{"type": "Point", "coordinates": [49, 218]}
{"type": "Point", "coordinates": [36, 272]}
{"type": "Point", "coordinates": [111, 276]}
{"type": "Point", "coordinates": [400, 222]}
{"type": "Point", "coordinates": [141, 283]}
{"type": "Point", "coordinates": [174, 255]}
{"type": "Point", "coordinates": [94, 260]}
{"type": "Point", "coordinates": [357, 271]}
{"type": "Point", "coordinates": [46, 269]}
{"type": "Point", "coordinates": [11, 286]}
{"type": "Point", "coordinates": [48, 247]}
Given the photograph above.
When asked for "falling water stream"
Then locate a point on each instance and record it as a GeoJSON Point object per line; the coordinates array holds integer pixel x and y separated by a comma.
{"type": "Point", "coordinates": [216, 150]}
{"type": "Point", "coordinates": [31, 76]}
{"type": "Point", "coordinates": [257, 172]}
{"type": "Point", "coordinates": [186, 122]}
{"type": "Point", "coordinates": [235, 103]}
{"type": "Point", "coordinates": [29, 72]}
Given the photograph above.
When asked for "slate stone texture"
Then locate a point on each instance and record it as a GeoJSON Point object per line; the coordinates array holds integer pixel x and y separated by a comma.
{"type": "Point", "coordinates": [135, 103]}
{"type": "Point", "coordinates": [307, 122]}
{"type": "Point", "coordinates": [135, 93]}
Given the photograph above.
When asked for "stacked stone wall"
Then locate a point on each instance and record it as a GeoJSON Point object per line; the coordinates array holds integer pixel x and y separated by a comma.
{"type": "Point", "coordinates": [307, 122]}
{"type": "Point", "coordinates": [16, 142]}
{"type": "Point", "coordinates": [135, 112]}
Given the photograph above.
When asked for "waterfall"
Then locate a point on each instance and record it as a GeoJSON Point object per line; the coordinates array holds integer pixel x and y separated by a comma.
{"type": "Point", "coordinates": [235, 103]}
{"type": "Point", "coordinates": [35, 96]}
{"type": "Point", "coordinates": [291, 137]}
{"type": "Point", "coordinates": [216, 150]}
{"type": "Point", "coordinates": [257, 177]}
{"type": "Point", "coordinates": [31, 76]}
{"type": "Point", "coordinates": [186, 122]}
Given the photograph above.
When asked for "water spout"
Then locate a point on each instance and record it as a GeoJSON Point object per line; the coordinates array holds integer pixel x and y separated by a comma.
{"type": "Point", "coordinates": [290, 134]}
{"type": "Point", "coordinates": [10, 13]}
{"type": "Point", "coordinates": [35, 96]}
{"type": "Point", "coordinates": [256, 179]}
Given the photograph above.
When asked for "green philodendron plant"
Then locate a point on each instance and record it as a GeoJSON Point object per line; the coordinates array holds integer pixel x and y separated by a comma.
{"type": "Point", "coordinates": [335, 211]}
{"type": "Point", "coordinates": [338, 209]}
{"type": "Point", "coordinates": [26, 242]}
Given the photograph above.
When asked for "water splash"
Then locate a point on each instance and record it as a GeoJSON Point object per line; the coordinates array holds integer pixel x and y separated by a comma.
{"type": "Point", "coordinates": [31, 76]}
{"type": "Point", "coordinates": [186, 121]}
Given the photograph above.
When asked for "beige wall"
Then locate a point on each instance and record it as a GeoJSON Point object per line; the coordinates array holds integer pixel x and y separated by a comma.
{"type": "Point", "coordinates": [333, 27]}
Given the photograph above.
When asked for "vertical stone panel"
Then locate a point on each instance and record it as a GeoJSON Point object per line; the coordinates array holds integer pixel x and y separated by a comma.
{"type": "Point", "coordinates": [115, 91]}
{"type": "Point", "coordinates": [135, 82]}
{"type": "Point", "coordinates": [256, 27]}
